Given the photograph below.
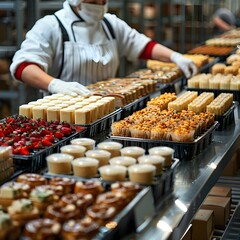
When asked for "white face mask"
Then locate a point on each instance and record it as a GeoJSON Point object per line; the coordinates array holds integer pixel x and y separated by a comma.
{"type": "Point", "coordinates": [74, 2]}
{"type": "Point", "coordinates": [92, 13]}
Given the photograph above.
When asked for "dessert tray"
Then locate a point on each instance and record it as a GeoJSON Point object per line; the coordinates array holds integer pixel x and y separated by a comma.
{"type": "Point", "coordinates": [161, 186]}
{"type": "Point", "coordinates": [216, 51]}
{"type": "Point", "coordinates": [136, 215]}
{"type": "Point", "coordinates": [183, 150]}
{"type": "Point", "coordinates": [31, 142]}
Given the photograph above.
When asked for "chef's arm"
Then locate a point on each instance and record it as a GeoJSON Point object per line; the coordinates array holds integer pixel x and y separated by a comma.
{"type": "Point", "coordinates": [34, 76]}
{"type": "Point", "coordinates": [161, 53]}
{"type": "Point", "coordinates": [156, 51]}
{"type": "Point", "coordinates": [221, 24]}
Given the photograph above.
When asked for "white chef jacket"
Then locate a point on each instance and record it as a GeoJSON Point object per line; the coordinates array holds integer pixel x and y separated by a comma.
{"type": "Point", "coordinates": [43, 44]}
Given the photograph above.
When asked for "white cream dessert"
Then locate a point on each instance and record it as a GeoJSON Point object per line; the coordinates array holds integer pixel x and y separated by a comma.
{"type": "Point", "coordinates": [113, 172]}
{"type": "Point", "coordinates": [85, 167]}
{"type": "Point", "coordinates": [142, 173]}
{"type": "Point", "coordinates": [75, 150]}
{"type": "Point", "coordinates": [123, 160]}
{"type": "Point", "coordinates": [157, 161]}
{"type": "Point", "coordinates": [112, 147]}
{"type": "Point", "coordinates": [101, 155]}
{"type": "Point", "coordinates": [132, 151]}
{"type": "Point", "coordinates": [60, 163]}
{"type": "Point", "coordinates": [89, 143]}
{"type": "Point", "coordinates": [165, 152]}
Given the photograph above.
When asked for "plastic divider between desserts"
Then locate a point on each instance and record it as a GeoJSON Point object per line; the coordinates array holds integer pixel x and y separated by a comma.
{"type": "Point", "coordinates": [227, 118]}
{"type": "Point", "coordinates": [102, 124]}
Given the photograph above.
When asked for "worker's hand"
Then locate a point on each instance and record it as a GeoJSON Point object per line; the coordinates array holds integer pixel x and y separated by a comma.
{"type": "Point", "coordinates": [186, 65]}
{"type": "Point", "coordinates": [70, 88]}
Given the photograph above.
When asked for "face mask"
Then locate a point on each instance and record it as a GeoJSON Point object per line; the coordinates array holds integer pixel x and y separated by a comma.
{"type": "Point", "coordinates": [92, 13]}
{"type": "Point", "coordinates": [74, 2]}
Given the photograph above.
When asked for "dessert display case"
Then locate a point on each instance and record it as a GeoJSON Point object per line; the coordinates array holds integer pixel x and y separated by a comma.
{"type": "Point", "coordinates": [193, 180]}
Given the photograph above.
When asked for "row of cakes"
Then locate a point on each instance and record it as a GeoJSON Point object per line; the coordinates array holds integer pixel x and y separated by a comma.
{"type": "Point", "coordinates": [162, 74]}
{"type": "Point", "coordinates": [199, 59]}
{"type": "Point", "coordinates": [6, 163]}
{"type": "Point", "coordinates": [59, 208]}
{"type": "Point", "coordinates": [110, 160]}
{"type": "Point", "coordinates": [211, 50]}
{"type": "Point", "coordinates": [218, 81]}
{"type": "Point", "coordinates": [233, 33]}
{"type": "Point", "coordinates": [166, 72]}
{"type": "Point", "coordinates": [77, 110]}
{"type": "Point", "coordinates": [124, 90]}
{"type": "Point", "coordinates": [226, 69]}
{"type": "Point", "coordinates": [202, 103]}
{"type": "Point", "coordinates": [178, 123]}
{"type": "Point", "coordinates": [223, 41]}
{"type": "Point", "coordinates": [230, 67]}
{"type": "Point", "coordinates": [190, 100]}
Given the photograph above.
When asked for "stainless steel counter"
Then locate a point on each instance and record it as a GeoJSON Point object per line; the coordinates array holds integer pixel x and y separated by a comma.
{"type": "Point", "coordinates": [193, 181]}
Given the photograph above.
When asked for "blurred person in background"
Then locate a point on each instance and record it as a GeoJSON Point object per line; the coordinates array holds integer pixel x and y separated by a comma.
{"type": "Point", "coordinates": [225, 20]}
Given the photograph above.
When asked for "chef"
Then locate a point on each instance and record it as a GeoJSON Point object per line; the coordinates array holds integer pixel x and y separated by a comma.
{"type": "Point", "coordinates": [82, 44]}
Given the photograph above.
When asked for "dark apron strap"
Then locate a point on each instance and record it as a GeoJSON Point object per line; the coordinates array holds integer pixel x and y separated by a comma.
{"type": "Point", "coordinates": [109, 26]}
{"type": "Point", "coordinates": [65, 38]}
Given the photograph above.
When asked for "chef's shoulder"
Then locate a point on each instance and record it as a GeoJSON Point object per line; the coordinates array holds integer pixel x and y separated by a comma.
{"type": "Point", "coordinates": [119, 26]}
{"type": "Point", "coordinates": [46, 27]}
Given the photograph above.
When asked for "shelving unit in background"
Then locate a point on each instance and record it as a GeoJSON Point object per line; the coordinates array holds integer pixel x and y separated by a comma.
{"type": "Point", "coordinates": [12, 22]}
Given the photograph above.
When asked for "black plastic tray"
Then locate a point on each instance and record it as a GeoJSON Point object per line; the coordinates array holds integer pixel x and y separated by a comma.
{"type": "Point", "coordinates": [170, 87]}
{"type": "Point", "coordinates": [204, 51]}
{"type": "Point", "coordinates": [102, 124]}
{"type": "Point", "coordinates": [227, 118]}
{"type": "Point", "coordinates": [206, 68]}
{"type": "Point", "coordinates": [37, 160]}
{"type": "Point", "coordinates": [136, 214]}
{"type": "Point", "coordinates": [134, 106]}
{"type": "Point", "coordinates": [236, 93]}
{"type": "Point", "coordinates": [161, 186]}
{"type": "Point", "coordinates": [183, 150]}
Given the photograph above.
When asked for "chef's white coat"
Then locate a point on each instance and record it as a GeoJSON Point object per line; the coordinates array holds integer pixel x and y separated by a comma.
{"type": "Point", "coordinates": [91, 53]}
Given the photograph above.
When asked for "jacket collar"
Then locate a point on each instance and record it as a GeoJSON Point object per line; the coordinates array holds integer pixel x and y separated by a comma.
{"type": "Point", "coordinates": [70, 13]}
